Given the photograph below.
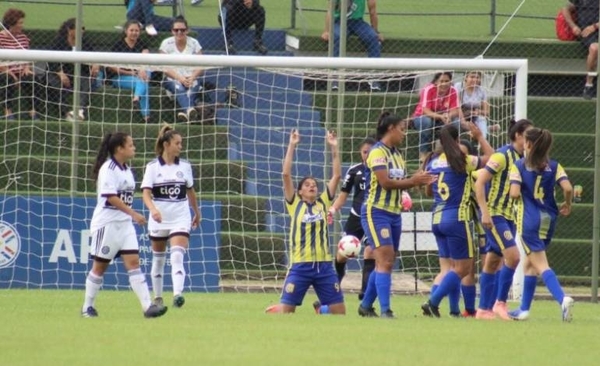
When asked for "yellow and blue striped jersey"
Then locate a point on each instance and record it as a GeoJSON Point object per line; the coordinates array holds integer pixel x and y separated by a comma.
{"type": "Point", "coordinates": [389, 158]}
{"type": "Point", "coordinates": [309, 233]}
{"type": "Point", "coordinates": [498, 200]}
{"type": "Point", "coordinates": [451, 190]}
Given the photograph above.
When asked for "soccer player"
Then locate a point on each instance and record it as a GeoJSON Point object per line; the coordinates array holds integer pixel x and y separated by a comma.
{"type": "Point", "coordinates": [381, 218]}
{"type": "Point", "coordinates": [355, 181]}
{"type": "Point", "coordinates": [310, 260]}
{"type": "Point", "coordinates": [168, 192]}
{"type": "Point", "coordinates": [532, 181]}
{"type": "Point", "coordinates": [452, 214]}
{"type": "Point", "coordinates": [497, 217]}
{"type": "Point", "coordinates": [112, 231]}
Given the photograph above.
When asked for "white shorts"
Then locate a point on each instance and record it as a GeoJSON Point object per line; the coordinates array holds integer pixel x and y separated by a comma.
{"type": "Point", "coordinates": [114, 239]}
{"type": "Point", "coordinates": [164, 234]}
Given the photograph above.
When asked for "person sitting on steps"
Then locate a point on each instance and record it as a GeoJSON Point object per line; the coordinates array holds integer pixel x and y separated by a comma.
{"type": "Point", "coordinates": [242, 14]}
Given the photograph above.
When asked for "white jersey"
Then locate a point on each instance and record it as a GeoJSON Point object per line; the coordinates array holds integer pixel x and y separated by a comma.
{"type": "Point", "coordinates": [192, 47]}
{"type": "Point", "coordinates": [114, 179]}
{"type": "Point", "coordinates": [169, 185]}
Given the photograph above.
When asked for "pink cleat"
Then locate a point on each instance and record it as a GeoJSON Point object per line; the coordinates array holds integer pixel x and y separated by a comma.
{"type": "Point", "coordinates": [482, 314]}
{"type": "Point", "coordinates": [273, 309]}
{"type": "Point", "coordinates": [501, 310]}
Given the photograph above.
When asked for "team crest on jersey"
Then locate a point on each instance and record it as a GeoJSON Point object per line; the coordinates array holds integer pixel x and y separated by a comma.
{"type": "Point", "coordinates": [385, 233]}
{"type": "Point", "coordinates": [508, 235]}
{"type": "Point", "coordinates": [179, 174]}
{"type": "Point", "coordinates": [289, 288]}
{"type": "Point", "coordinates": [105, 250]}
{"type": "Point", "coordinates": [439, 163]}
{"type": "Point", "coordinates": [10, 244]}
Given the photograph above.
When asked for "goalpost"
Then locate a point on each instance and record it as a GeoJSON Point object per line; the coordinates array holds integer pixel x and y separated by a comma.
{"type": "Point", "coordinates": [236, 150]}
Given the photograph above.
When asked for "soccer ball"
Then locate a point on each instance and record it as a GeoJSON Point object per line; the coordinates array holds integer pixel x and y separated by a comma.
{"type": "Point", "coordinates": [406, 201]}
{"type": "Point", "coordinates": [349, 246]}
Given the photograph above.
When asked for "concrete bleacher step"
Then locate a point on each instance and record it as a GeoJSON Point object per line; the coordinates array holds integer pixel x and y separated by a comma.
{"type": "Point", "coordinates": [213, 38]}
{"type": "Point", "coordinates": [253, 80]}
{"type": "Point", "coordinates": [250, 53]}
{"type": "Point", "coordinates": [266, 100]}
{"type": "Point", "coordinates": [265, 119]}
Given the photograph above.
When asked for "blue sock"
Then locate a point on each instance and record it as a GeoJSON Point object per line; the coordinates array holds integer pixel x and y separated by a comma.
{"type": "Point", "coordinates": [486, 290]}
{"type": "Point", "coordinates": [469, 292]}
{"type": "Point", "coordinates": [433, 288]}
{"type": "Point", "coordinates": [324, 309]}
{"type": "Point", "coordinates": [492, 299]}
{"type": "Point", "coordinates": [528, 291]}
{"type": "Point", "coordinates": [506, 278]}
{"type": "Point", "coordinates": [551, 282]}
{"type": "Point", "coordinates": [454, 300]}
{"type": "Point", "coordinates": [370, 292]}
{"type": "Point", "coordinates": [449, 283]}
{"type": "Point", "coordinates": [383, 282]}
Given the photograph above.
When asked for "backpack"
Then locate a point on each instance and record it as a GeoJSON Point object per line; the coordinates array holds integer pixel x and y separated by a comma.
{"type": "Point", "coordinates": [563, 31]}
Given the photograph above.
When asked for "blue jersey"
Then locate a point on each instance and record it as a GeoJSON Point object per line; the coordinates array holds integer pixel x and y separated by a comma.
{"type": "Point", "coordinates": [451, 189]}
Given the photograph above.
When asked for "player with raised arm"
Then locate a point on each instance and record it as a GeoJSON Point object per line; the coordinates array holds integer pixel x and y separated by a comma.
{"type": "Point", "coordinates": [112, 231]}
{"type": "Point", "coordinates": [532, 181]}
{"type": "Point", "coordinates": [451, 219]}
{"type": "Point", "coordinates": [497, 217]}
{"type": "Point", "coordinates": [382, 208]}
{"type": "Point", "coordinates": [168, 192]}
{"type": "Point", "coordinates": [310, 260]}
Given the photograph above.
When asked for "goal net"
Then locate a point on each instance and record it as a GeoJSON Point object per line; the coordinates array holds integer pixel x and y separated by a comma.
{"type": "Point", "coordinates": [235, 141]}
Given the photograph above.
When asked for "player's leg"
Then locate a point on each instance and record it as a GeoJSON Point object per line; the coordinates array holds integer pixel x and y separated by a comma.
{"type": "Point", "coordinates": [487, 278]}
{"type": "Point", "coordinates": [351, 227]}
{"type": "Point", "coordinates": [504, 231]}
{"type": "Point", "coordinates": [158, 241]}
{"type": "Point", "coordinates": [179, 243]}
{"type": "Point", "coordinates": [328, 290]}
{"type": "Point", "coordinates": [529, 285]}
{"type": "Point", "coordinates": [102, 252]}
{"type": "Point", "coordinates": [297, 282]}
{"type": "Point", "coordinates": [384, 262]}
{"type": "Point", "coordinates": [368, 266]}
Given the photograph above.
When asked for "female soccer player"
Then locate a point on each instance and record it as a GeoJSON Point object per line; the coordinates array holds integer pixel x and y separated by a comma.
{"type": "Point", "coordinates": [309, 236]}
{"type": "Point", "coordinates": [112, 231]}
{"type": "Point", "coordinates": [497, 217]}
{"type": "Point", "coordinates": [452, 214]}
{"type": "Point", "coordinates": [381, 218]}
{"type": "Point", "coordinates": [355, 180]}
{"type": "Point", "coordinates": [532, 179]}
{"type": "Point", "coordinates": [168, 192]}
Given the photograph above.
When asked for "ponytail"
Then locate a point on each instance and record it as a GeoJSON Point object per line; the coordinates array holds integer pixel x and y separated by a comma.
{"type": "Point", "coordinates": [165, 134]}
{"type": "Point", "coordinates": [539, 153]}
{"type": "Point", "coordinates": [450, 146]}
{"type": "Point", "coordinates": [109, 145]}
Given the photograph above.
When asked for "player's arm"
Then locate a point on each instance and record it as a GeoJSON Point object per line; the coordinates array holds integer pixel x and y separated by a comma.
{"type": "Point", "coordinates": [515, 182]}
{"type": "Point", "coordinates": [286, 174]}
{"type": "Point", "coordinates": [567, 188]}
{"type": "Point", "coordinates": [117, 203]}
{"type": "Point", "coordinates": [483, 177]}
{"type": "Point", "coordinates": [193, 201]}
{"type": "Point", "coordinates": [418, 179]}
{"type": "Point", "coordinates": [147, 183]}
{"type": "Point", "coordinates": [336, 164]}
{"type": "Point", "coordinates": [486, 149]}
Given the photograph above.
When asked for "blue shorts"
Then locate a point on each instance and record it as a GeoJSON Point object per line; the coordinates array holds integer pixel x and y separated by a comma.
{"type": "Point", "coordinates": [322, 277]}
{"type": "Point", "coordinates": [454, 239]}
{"type": "Point", "coordinates": [501, 236]}
{"type": "Point", "coordinates": [537, 232]}
{"type": "Point", "coordinates": [381, 227]}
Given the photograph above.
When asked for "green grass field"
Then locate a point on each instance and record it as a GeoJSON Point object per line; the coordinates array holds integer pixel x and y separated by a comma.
{"type": "Point", "coordinates": [44, 328]}
{"type": "Point", "coordinates": [49, 16]}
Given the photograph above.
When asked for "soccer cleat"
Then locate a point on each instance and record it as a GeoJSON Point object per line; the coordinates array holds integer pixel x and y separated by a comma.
{"type": "Point", "coordinates": [367, 312]}
{"type": "Point", "coordinates": [588, 92]}
{"type": "Point", "coordinates": [388, 314]}
{"type": "Point", "coordinates": [155, 311]}
{"type": "Point", "coordinates": [567, 309]}
{"type": "Point", "coordinates": [178, 301]}
{"type": "Point", "coordinates": [501, 310]}
{"type": "Point", "coordinates": [482, 314]}
{"type": "Point", "coordinates": [456, 315]}
{"type": "Point", "coordinates": [90, 312]}
{"type": "Point", "coordinates": [361, 296]}
{"type": "Point", "coordinates": [430, 310]}
{"type": "Point", "coordinates": [273, 309]}
{"type": "Point", "coordinates": [374, 86]}
{"type": "Point", "coordinates": [468, 313]}
{"type": "Point", "coordinates": [519, 314]}
{"type": "Point", "coordinates": [158, 301]}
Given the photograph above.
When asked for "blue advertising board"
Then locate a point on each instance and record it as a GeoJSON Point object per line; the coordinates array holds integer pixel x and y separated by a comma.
{"type": "Point", "coordinates": [44, 243]}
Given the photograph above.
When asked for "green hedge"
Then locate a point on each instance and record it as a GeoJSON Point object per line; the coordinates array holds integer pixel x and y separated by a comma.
{"type": "Point", "coordinates": [245, 254]}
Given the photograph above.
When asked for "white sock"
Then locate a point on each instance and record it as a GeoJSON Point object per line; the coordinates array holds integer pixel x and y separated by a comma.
{"type": "Point", "coordinates": [158, 272]}
{"type": "Point", "coordinates": [92, 286]}
{"type": "Point", "coordinates": [177, 270]}
{"type": "Point", "coordinates": [138, 283]}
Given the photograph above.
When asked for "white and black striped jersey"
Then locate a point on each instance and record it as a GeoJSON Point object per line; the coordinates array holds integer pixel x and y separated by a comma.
{"type": "Point", "coordinates": [169, 185]}
{"type": "Point", "coordinates": [355, 180]}
{"type": "Point", "coordinates": [114, 179]}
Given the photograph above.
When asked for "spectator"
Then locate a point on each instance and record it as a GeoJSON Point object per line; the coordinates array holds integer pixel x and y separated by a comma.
{"type": "Point", "coordinates": [473, 98]}
{"type": "Point", "coordinates": [368, 34]}
{"type": "Point", "coordinates": [438, 106]}
{"type": "Point", "coordinates": [170, 2]}
{"type": "Point", "coordinates": [134, 79]}
{"type": "Point", "coordinates": [242, 14]}
{"type": "Point", "coordinates": [586, 29]}
{"type": "Point", "coordinates": [183, 81]}
{"type": "Point", "coordinates": [15, 76]}
{"type": "Point", "coordinates": [61, 75]}
{"type": "Point", "coordinates": [143, 12]}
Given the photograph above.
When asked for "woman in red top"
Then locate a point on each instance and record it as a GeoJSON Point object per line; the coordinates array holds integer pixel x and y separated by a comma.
{"type": "Point", "coordinates": [438, 106]}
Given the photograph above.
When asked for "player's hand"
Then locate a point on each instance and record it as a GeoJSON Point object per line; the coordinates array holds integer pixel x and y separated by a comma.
{"type": "Point", "coordinates": [139, 219]}
{"type": "Point", "coordinates": [486, 221]}
{"type": "Point", "coordinates": [475, 132]}
{"type": "Point", "coordinates": [294, 137]}
{"type": "Point", "coordinates": [196, 221]}
{"type": "Point", "coordinates": [332, 138]}
{"type": "Point", "coordinates": [423, 178]}
{"type": "Point", "coordinates": [325, 36]}
{"type": "Point", "coordinates": [156, 216]}
{"type": "Point", "coordinates": [330, 215]}
{"type": "Point", "coordinates": [565, 209]}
